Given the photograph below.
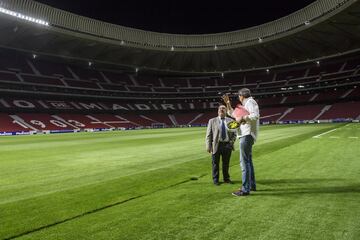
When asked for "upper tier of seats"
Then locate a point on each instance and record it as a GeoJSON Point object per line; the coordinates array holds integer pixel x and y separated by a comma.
{"type": "Point", "coordinates": [15, 62]}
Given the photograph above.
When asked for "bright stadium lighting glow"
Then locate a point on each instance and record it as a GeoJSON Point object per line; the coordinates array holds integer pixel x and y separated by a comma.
{"type": "Point", "coordinates": [318, 63]}
{"type": "Point", "coordinates": [34, 56]}
{"type": "Point", "coordinates": [215, 47]}
{"type": "Point", "coordinates": [301, 86]}
{"type": "Point", "coordinates": [90, 64]}
{"type": "Point", "coordinates": [24, 17]}
{"type": "Point", "coordinates": [260, 40]}
{"type": "Point", "coordinates": [172, 48]}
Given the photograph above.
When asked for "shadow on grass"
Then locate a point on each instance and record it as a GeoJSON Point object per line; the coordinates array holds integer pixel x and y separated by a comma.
{"type": "Point", "coordinates": [297, 181]}
{"type": "Point", "coordinates": [299, 187]}
{"type": "Point", "coordinates": [313, 190]}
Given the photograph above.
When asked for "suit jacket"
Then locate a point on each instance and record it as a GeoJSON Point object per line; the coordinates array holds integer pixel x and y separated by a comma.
{"type": "Point", "coordinates": [213, 134]}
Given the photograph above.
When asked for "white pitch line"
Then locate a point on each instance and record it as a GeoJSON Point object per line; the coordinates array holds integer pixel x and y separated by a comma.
{"type": "Point", "coordinates": [354, 137]}
{"type": "Point", "coordinates": [318, 136]}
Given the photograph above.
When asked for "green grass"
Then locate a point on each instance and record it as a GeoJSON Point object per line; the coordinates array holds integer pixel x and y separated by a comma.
{"type": "Point", "coordinates": [136, 185]}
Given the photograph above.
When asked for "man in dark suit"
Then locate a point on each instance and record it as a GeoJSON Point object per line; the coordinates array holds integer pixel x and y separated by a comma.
{"type": "Point", "coordinates": [220, 142]}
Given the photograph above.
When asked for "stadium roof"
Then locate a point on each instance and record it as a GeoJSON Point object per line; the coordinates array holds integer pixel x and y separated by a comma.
{"type": "Point", "coordinates": [324, 28]}
{"type": "Point", "coordinates": [182, 17]}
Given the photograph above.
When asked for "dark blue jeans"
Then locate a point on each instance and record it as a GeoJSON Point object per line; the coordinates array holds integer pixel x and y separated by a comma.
{"type": "Point", "coordinates": [224, 151]}
{"type": "Point", "coordinates": [246, 163]}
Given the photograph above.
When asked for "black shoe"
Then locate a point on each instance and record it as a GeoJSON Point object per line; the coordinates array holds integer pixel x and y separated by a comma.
{"type": "Point", "coordinates": [229, 181]}
{"type": "Point", "coordinates": [240, 193]}
{"type": "Point", "coordinates": [216, 183]}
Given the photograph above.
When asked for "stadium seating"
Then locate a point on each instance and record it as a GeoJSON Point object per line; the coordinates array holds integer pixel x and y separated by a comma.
{"type": "Point", "coordinates": [118, 78]}
{"type": "Point", "coordinates": [87, 74]}
{"type": "Point", "coordinates": [272, 114]}
{"type": "Point", "coordinates": [303, 113]}
{"type": "Point", "coordinates": [148, 80]}
{"type": "Point", "coordinates": [42, 80]}
{"type": "Point", "coordinates": [324, 91]}
{"type": "Point", "coordinates": [48, 68]}
{"type": "Point", "coordinates": [41, 121]}
{"type": "Point", "coordinates": [185, 118]}
{"type": "Point", "coordinates": [14, 63]}
{"type": "Point", "coordinates": [82, 84]}
{"type": "Point", "coordinates": [290, 74]}
{"type": "Point", "coordinates": [8, 124]}
{"type": "Point", "coordinates": [343, 110]}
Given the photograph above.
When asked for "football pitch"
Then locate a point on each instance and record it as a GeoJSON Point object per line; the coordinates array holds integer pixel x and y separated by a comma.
{"type": "Point", "coordinates": [156, 184]}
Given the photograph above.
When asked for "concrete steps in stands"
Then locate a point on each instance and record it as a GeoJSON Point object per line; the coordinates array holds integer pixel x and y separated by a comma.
{"type": "Point", "coordinates": [173, 119]}
{"type": "Point", "coordinates": [285, 113]}
{"type": "Point", "coordinates": [196, 118]}
{"type": "Point", "coordinates": [325, 109]}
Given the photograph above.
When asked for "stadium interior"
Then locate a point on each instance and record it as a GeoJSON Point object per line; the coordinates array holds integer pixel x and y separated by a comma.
{"type": "Point", "coordinates": [57, 77]}
{"type": "Point", "coordinates": [56, 96]}
{"type": "Point", "coordinates": [135, 106]}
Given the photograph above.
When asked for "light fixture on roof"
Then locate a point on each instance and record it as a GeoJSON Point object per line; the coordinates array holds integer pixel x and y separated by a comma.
{"type": "Point", "coordinates": [301, 86]}
{"type": "Point", "coordinates": [90, 64]}
{"type": "Point", "coordinates": [172, 48]}
{"type": "Point", "coordinates": [34, 56]}
{"type": "Point", "coordinates": [122, 42]}
{"type": "Point", "coordinates": [24, 17]}
{"type": "Point", "coordinates": [215, 47]}
{"type": "Point", "coordinates": [136, 70]}
{"type": "Point", "coordinates": [222, 75]}
{"type": "Point", "coordinates": [318, 63]}
{"type": "Point", "coordinates": [260, 40]}
{"type": "Point", "coordinates": [267, 70]}
{"type": "Point", "coordinates": [307, 23]}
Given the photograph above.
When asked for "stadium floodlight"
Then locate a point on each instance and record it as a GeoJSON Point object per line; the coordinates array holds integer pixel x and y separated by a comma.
{"type": "Point", "coordinates": [260, 40]}
{"type": "Point", "coordinates": [267, 70]}
{"type": "Point", "coordinates": [215, 47]}
{"type": "Point", "coordinates": [23, 17]}
{"type": "Point", "coordinates": [34, 56]}
{"type": "Point", "coordinates": [122, 42]}
{"type": "Point", "coordinates": [301, 86]}
{"type": "Point", "coordinates": [172, 48]}
{"type": "Point", "coordinates": [318, 63]}
{"type": "Point", "coordinates": [90, 64]}
{"type": "Point", "coordinates": [307, 23]}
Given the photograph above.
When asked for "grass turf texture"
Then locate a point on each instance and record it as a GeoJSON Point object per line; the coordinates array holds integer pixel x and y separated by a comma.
{"type": "Point", "coordinates": [137, 185]}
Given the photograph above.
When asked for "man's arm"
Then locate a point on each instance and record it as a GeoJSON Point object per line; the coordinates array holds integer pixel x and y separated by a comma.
{"type": "Point", "coordinates": [209, 137]}
{"type": "Point", "coordinates": [229, 108]}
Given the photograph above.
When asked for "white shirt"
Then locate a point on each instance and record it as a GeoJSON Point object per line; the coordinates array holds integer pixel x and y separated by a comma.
{"type": "Point", "coordinates": [220, 128]}
{"type": "Point", "coordinates": [251, 127]}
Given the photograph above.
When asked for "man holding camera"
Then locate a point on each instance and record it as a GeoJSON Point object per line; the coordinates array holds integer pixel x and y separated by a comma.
{"type": "Point", "coordinates": [249, 128]}
{"type": "Point", "coordinates": [220, 143]}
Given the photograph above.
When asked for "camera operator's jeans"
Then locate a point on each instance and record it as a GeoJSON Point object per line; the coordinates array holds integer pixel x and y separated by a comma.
{"type": "Point", "coordinates": [247, 167]}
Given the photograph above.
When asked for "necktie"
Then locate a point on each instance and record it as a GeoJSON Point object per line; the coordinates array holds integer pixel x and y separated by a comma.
{"type": "Point", "coordinates": [223, 130]}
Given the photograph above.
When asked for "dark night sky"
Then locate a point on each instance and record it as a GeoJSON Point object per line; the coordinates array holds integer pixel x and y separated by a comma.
{"type": "Point", "coordinates": [186, 17]}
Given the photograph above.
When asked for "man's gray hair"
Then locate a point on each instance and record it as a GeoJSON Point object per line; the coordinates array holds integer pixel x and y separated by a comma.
{"type": "Point", "coordinates": [245, 92]}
